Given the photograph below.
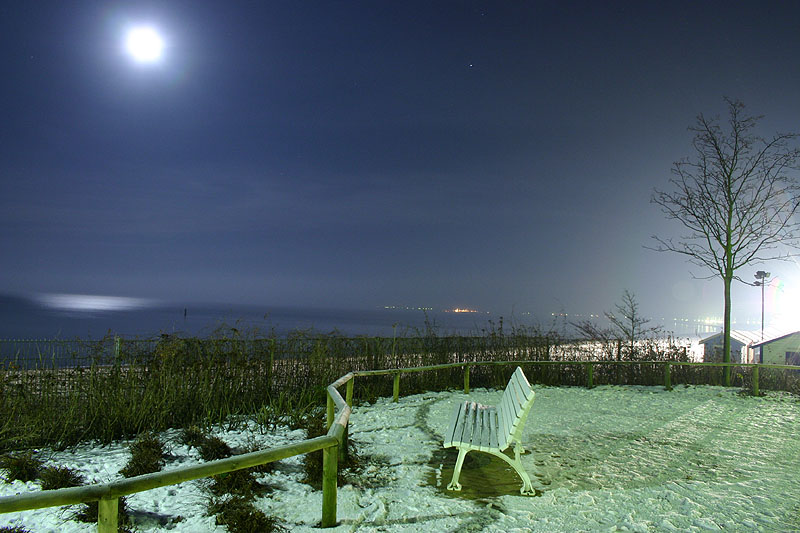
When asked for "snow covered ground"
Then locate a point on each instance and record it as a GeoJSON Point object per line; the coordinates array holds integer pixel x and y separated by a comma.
{"type": "Point", "coordinates": [607, 459]}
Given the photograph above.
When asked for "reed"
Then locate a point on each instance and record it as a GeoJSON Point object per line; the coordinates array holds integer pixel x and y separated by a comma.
{"type": "Point", "coordinates": [117, 388]}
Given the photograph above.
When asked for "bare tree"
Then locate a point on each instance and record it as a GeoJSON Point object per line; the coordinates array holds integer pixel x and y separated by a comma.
{"type": "Point", "coordinates": [736, 200]}
{"type": "Point", "coordinates": [603, 336]}
{"type": "Point", "coordinates": [629, 324]}
{"type": "Point", "coordinates": [626, 324]}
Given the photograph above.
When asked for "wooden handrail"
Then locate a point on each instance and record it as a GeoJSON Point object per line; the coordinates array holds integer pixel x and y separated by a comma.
{"type": "Point", "coordinates": [123, 487]}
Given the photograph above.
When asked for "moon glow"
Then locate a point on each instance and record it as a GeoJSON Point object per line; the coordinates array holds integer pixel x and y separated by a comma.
{"type": "Point", "coordinates": [144, 44]}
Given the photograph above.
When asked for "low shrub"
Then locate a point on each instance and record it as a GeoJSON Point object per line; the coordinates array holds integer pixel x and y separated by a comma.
{"type": "Point", "coordinates": [60, 477]}
{"type": "Point", "coordinates": [147, 456]}
{"type": "Point", "coordinates": [239, 515]}
{"type": "Point", "coordinates": [14, 529]}
{"type": "Point", "coordinates": [253, 446]}
{"type": "Point", "coordinates": [213, 448]}
{"type": "Point", "coordinates": [238, 483]}
{"type": "Point", "coordinates": [22, 466]}
{"type": "Point", "coordinates": [349, 469]}
{"type": "Point", "coordinates": [192, 436]}
{"type": "Point", "coordinates": [312, 462]}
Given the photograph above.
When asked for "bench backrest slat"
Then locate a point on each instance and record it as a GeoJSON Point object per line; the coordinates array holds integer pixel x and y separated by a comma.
{"type": "Point", "coordinates": [513, 400]}
{"type": "Point", "coordinates": [502, 427]}
{"type": "Point", "coordinates": [514, 407]}
{"type": "Point", "coordinates": [522, 381]}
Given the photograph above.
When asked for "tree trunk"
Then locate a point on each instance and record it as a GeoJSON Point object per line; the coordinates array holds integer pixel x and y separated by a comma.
{"type": "Point", "coordinates": [726, 332]}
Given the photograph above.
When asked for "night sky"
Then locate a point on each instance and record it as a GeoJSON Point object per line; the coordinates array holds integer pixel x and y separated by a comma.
{"type": "Point", "coordinates": [492, 155]}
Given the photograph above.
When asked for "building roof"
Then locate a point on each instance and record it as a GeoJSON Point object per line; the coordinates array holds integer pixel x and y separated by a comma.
{"type": "Point", "coordinates": [744, 337]}
{"type": "Point", "coordinates": [767, 341]}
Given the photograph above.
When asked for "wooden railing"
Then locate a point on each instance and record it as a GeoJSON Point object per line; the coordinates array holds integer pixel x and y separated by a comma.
{"type": "Point", "coordinates": [107, 494]}
{"type": "Point", "coordinates": [332, 444]}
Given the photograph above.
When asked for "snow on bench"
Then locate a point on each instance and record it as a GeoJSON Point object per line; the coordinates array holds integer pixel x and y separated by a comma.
{"type": "Point", "coordinates": [476, 427]}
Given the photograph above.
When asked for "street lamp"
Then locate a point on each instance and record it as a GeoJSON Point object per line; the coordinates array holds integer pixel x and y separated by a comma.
{"type": "Point", "coordinates": [761, 280]}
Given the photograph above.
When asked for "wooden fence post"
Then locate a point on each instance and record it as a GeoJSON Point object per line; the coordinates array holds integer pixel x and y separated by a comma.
{"type": "Point", "coordinates": [466, 379]}
{"type": "Point", "coordinates": [107, 509]}
{"type": "Point", "coordinates": [396, 387]}
{"type": "Point", "coordinates": [348, 395]}
{"type": "Point", "coordinates": [755, 381]}
{"type": "Point", "coordinates": [589, 375]}
{"type": "Point", "coordinates": [668, 376]}
{"type": "Point", "coordinates": [329, 474]}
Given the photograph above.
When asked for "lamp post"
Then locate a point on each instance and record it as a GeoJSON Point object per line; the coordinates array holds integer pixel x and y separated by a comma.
{"type": "Point", "coordinates": [761, 280]}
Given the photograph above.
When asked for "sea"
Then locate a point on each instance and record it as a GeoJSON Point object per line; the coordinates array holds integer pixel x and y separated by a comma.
{"type": "Point", "coordinates": [94, 317]}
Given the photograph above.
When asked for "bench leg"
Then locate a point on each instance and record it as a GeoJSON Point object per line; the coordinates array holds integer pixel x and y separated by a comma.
{"type": "Point", "coordinates": [454, 484]}
{"type": "Point", "coordinates": [516, 464]}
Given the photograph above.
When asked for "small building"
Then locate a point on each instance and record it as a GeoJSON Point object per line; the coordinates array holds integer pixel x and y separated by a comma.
{"type": "Point", "coordinates": [741, 342]}
{"type": "Point", "coordinates": [783, 350]}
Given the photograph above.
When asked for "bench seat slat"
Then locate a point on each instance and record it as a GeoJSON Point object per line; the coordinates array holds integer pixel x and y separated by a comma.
{"type": "Point", "coordinates": [475, 419]}
{"type": "Point", "coordinates": [469, 423]}
{"type": "Point", "coordinates": [483, 444]}
{"type": "Point", "coordinates": [502, 430]}
{"type": "Point", "coordinates": [480, 428]}
{"type": "Point", "coordinates": [451, 427]}
{"type": "Point", "coordinates": [491, 424]}
{"type": "Point", "coordinates": [457, 431]}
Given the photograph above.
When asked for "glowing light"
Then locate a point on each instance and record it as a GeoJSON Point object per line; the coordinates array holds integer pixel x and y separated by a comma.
{"type": "Point", "coordinates": [144, 44]}
{"type": "Point", "coordinates": [87, 302]}
{"type": "Point", "coordinates": [783, 301]}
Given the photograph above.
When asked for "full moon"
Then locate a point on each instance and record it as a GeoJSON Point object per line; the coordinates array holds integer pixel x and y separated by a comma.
{"type": "Point", "coordinates": [144, 44]}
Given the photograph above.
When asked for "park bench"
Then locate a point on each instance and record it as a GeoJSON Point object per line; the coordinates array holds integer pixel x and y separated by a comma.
{"type": "Point", "coordinates": [476, 427]}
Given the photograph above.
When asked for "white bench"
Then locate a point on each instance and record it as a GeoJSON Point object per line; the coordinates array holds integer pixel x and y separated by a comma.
{"type": "Point", "coordinates": [493, 429]}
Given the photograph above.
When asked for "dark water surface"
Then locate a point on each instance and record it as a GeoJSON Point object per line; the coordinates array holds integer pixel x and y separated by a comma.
{"type": "Point", "coordinates": [24, 318]}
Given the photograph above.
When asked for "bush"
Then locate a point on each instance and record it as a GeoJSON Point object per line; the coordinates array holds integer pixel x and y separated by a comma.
{"type": "Point", "coordinates": [253, 446]}
{"type": "Point", "coordinates": [23, 466]}
{"type": "Point", "coordinates": [240, 516]}
{"type": "Point", "coordinates": [238, 483]}
{"type": "Point", "coordinates": [147, 456]}
{"type": "Point", "coordinates": [13, 529]}
{"type": "Point", "coordinates": [213, 448]}
{"type": "Point", "coordinates": [60, 477]}
{"type": "Point", "coordinates": [192, 436]}
{"type": "Point", "coordinates": [312, 462]}
{"type": "Point", "coordinates": [350, 469]}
